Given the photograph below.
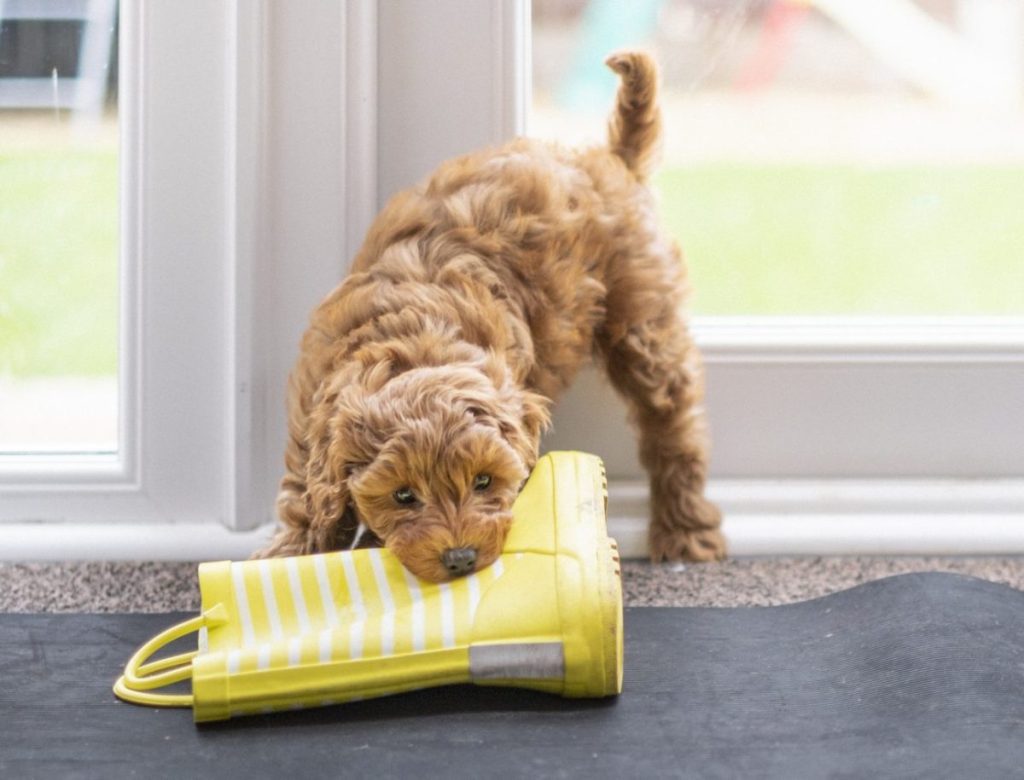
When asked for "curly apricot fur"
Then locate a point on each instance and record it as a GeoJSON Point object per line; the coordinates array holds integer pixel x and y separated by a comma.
{"type": "Point", "coordinates": [472, 304]}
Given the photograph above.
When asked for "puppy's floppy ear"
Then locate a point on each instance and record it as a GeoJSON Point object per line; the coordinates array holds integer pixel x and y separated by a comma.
{"type": "Point", "coordinates": [534, 419]}
{"type": "Point", "coordinates": [520, 415]}
{"type": "Point", "coordinates": [334, 424]}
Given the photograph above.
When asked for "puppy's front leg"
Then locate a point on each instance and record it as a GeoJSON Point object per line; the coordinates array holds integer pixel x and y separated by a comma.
{"type": "Point", "coordinates": [653, 363]}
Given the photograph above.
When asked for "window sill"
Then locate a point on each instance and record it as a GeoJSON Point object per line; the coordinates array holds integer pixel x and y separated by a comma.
{"type": "Point", "coordinates": [762, 517]}
{"type": "Point", "coordinates": [128, 542]}
{"type": "Point", "coordinates": [860, 339]}
{"type": "Point", "coordinates": [846, 517]}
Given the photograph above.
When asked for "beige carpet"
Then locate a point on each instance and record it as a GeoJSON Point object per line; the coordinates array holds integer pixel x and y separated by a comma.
{"type": "Point", "coordinates": [169, 587]}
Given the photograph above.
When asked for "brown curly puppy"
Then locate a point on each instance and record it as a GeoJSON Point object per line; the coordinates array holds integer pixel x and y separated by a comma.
{"type": "Point", "coordinates": [424, 380]}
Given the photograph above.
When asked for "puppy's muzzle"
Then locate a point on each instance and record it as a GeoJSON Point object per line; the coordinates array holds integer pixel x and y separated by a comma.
{"type": "Point", "coordinates": [459, 561]}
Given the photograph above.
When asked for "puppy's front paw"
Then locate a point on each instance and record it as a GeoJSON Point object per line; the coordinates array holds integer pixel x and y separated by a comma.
{"type": "Point", "coordinates": [688, 533]}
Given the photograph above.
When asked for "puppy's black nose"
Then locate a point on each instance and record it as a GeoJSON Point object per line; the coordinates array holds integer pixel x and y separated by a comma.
{"type": "Point", "coordinates": [459, 561]}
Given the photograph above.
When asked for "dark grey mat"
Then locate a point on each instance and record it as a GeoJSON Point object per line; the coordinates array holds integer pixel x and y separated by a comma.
{"type": "Point", "coordinates": [920, 675]}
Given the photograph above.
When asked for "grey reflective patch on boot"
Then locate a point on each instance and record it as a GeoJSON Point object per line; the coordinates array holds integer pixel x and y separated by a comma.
{"type": "Point", "coordinates": [521, 661]}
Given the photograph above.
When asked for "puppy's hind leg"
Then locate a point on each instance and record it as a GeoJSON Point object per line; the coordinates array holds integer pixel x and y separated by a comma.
{"type": "Point", "coordinates": [653, 363]}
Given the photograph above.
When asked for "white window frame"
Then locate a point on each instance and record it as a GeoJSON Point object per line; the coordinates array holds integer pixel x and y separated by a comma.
{"type": "Point", "coordinates": [230, 235]}
{"type": "Point", "coordinates": [183, 262]}
{"type": "Point", "coordinates": [250, 174]}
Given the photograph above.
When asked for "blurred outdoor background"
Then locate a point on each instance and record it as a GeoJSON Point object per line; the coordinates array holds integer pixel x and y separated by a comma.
{"type": "Point", "coordinates": [824, 157]}
{"type": "Point", "coordinates": [58, 226]}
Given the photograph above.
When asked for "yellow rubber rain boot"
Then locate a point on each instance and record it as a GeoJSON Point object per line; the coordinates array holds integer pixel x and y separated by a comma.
{"type": "Point", "coordinates": [323, 629]}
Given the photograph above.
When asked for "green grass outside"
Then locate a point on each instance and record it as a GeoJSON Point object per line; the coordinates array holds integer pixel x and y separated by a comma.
{"type": "Point", "coordinates": [58, 263]}
{"type": "Point", "coordinates": [784, 240]}
{"type": "Point", "coordinates": [765, 240]}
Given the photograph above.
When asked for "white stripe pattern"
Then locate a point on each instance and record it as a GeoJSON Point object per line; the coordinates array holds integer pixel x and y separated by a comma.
{"type": "Point", "coordinates": [263, 657]}
{"type": "Point", "coordinates": [473, 584]}
{"type": "Point", "coordinates": [273, 614]}
{"type": "Point", "coordinates": [355, 638]}
{"type": "Point", "coordinates": [242, 599]}
{"type": "Point", "coordinates": [387, 618]}
{"type": "Point", "coordinates": [447, 615]}
{"type": "Point", "coordinates": [366, 605]}
{"type": "Point", "coordinates": [270, 599]}
{"type": "Point", "coordinates": [326, 596]}
{"type": "Point", "coordinates": [418, 612]}
{"type": "Point", "coordinates": [325, 645]}
{"type": "Point", "coordinates": [299, 600]}
{"type": "Point", "coordinates": [354, 592]}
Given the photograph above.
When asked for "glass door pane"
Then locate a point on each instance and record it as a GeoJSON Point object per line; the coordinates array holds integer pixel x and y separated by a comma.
{"type": "Point", "coordinates": [830, 157]}
{"type": "Point", "coordinates": [59, 298]}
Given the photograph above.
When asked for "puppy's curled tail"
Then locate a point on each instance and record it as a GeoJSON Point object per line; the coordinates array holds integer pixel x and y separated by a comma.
{"type": "Point", "coordinates": [634, 129]}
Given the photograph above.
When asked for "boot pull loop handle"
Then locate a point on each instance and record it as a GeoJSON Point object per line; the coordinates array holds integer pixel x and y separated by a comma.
{"type": "Point", "coordinates": [140, 678]}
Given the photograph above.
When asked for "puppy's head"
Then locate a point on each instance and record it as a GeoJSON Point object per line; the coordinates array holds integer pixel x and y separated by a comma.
{"type": "Point", "coordinates": [431, 463]}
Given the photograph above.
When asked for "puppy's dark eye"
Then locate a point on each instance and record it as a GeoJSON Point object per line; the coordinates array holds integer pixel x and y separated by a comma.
{"type": "Point", "coordinates": [481, 482]}
{"type": "Point", "coordinates": [404, 495]}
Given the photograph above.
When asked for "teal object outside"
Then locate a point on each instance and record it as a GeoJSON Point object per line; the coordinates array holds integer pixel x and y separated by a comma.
{"type": "Point", "coordinates": [608, 25]}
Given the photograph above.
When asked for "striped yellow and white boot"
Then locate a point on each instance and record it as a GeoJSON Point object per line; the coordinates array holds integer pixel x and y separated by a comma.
{"type": "Point", "coordinates": [323, 629]}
